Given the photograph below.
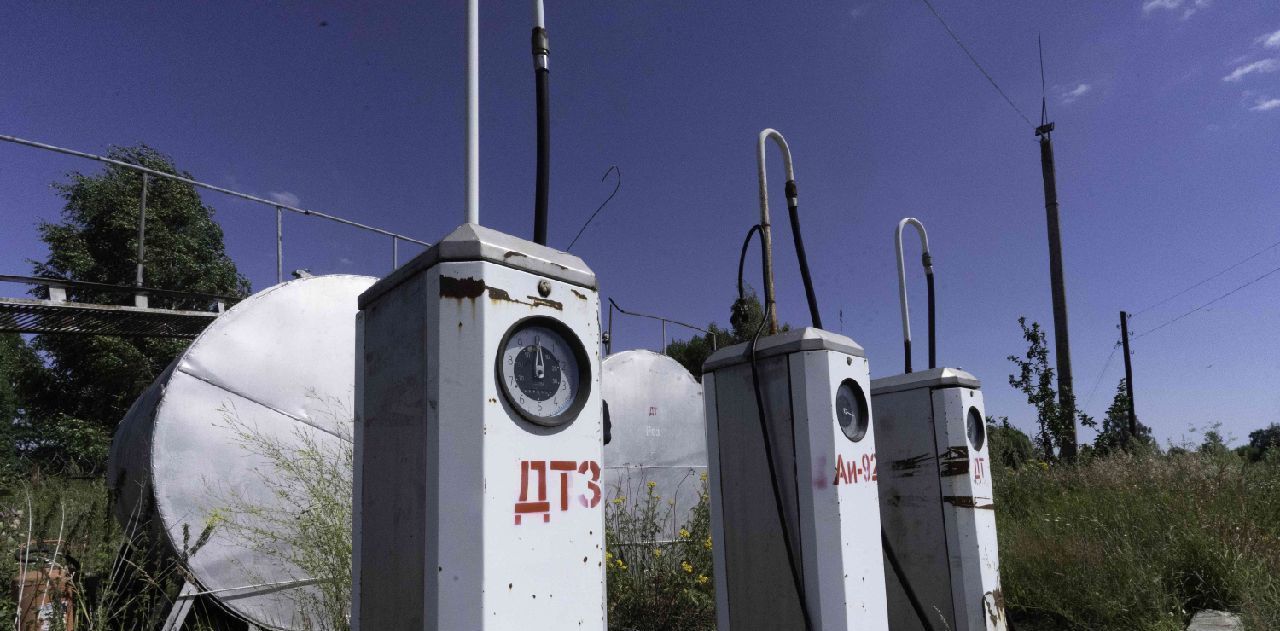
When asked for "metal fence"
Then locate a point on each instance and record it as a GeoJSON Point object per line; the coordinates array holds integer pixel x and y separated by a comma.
{"type": "Point", "coordinates": [279, 207]}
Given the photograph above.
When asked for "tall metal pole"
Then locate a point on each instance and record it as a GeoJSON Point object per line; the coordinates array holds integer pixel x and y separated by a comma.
{"type": "Point", "coordinates": [473, 112]}
{"type": "Point", "coordinates": [664, 337]}
{"type": "Point", "coordinates": [279, 245]}
{"type": "Point", "coordinates": [1066, 393]}
{"type": "Point", "coordinates": [1128, 374]}
{"type": "Point", "coordinates": [142, 231]}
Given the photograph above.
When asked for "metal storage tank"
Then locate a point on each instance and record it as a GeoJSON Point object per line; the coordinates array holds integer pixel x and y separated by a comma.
{"type": "Point", "coordinates": [281, 362]}
{"type": "Point", "coordinates": [658, 431]}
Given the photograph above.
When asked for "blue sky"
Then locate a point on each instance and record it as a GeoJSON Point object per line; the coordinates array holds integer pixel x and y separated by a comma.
{"type": "Point", "coordinates": [1168, 118]}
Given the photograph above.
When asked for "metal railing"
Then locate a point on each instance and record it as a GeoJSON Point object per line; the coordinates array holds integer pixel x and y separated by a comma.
{"type": "Point", "coordinates": [613, 306]}
{"type": "Point", "coordinates": [148, 173]}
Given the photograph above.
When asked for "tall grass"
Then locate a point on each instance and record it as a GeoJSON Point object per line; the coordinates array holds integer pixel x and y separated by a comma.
{"type": "Point", "coordinates": [1140, 542]}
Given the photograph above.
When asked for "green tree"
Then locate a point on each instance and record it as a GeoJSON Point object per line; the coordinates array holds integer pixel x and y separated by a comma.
{"type": "Point", "coordinates": [1263, 440]}
{"type": "Point", "coordinates": [1034, 378]}
{"type": "Point", "coordinates": [16, 359]}
{"type": "Point", "coordinates": [745, 318]}
{"type": "Point", "coordinates": [1008, 445]}
{"type": "Point", "coordinates": [85, 384]}
{"type": "Point", "coordinates": [1115, 425]}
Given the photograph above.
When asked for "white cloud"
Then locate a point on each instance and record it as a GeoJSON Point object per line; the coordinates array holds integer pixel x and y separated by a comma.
{"type": "Point", "coordinates": [345, 261]}
{"type": "Point", "coordinates": [1188, 7]}
{"type": "Point", "coordinates": [284, 197]}
{"type": "Point", "coordinates": [1265, 105]}
{"type": "Point", "coordinates": [1070, 96]}
{"type": "Point", "coordinates": [1270, 40]}
{"type": "Point", "coordinates": [859, 11]}
{"type": "Point", "coordinates": [1262, 65]}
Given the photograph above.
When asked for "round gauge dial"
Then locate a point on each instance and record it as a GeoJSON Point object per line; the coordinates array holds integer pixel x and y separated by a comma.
{"type": "Point", "coordinates": [851, 410]}
{"type": "Point", "coordinates": [976, 428]}
{"type": "Point", "coordinates": [542, 368]}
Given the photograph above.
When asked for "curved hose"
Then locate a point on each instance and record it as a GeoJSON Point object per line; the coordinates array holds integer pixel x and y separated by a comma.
{"type": "Point", "coordinates": [793, 558]}
{"type": "Point", "coordinates": [766, 232]}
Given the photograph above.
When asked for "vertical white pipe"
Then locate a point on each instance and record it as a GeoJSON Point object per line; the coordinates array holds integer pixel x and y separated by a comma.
{"type": "Point", "coordinates": [539, 15]}
{"type": "Point", "coordinates": [766, 230]}
{"type": "Point", "coordinates": [473, 112]}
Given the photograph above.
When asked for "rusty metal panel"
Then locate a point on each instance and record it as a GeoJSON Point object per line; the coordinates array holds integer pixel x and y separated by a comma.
{"type": "Point", "coordinates": [658, 431]}
{"type": "Point", "coordinates": [968, 509]}
{"type": "Point", "coordinates": [910, 505]}
{"type": "Point", "coordinates": [936, 498]}
{"type": "Point", "coordinates": [512, 521]}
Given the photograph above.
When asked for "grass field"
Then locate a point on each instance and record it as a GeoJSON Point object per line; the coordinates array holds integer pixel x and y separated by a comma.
{"type": "Point", "coordinates": [1120, 542]}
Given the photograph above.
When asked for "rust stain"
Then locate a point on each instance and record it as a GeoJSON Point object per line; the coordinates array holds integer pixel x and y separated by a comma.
{"type": "Point", "coordinates": [955, 461]}
{"type": "Point", "coordinates": [580, 295]}
{"type": "Point", "coordinates": [501, 295]}
{"type": "Point", "coordinates": [459, 288]}
{"type": "Point", "coordinates": [993, 603]}
{"type": "Point", "coordinates": [543, 302]}
{"type": "Point", "coordinates": [908, 467]}
{"type": "Point", "coordinates": [966, 501]}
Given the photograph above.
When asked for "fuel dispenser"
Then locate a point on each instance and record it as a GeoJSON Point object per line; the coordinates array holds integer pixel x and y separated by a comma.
{"type": "Point", "coordinates": [936, 499]}
{"type": "Point", "coordinates": [792, 460]}
{"type": "Point", "coordinates": [479, 430]}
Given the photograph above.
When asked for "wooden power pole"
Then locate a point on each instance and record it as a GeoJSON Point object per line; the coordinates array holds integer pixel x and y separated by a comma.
{"type": "Point", "coordinates": [1062, 346]}
{"type": "Point", "coordinates": [1128, 374]}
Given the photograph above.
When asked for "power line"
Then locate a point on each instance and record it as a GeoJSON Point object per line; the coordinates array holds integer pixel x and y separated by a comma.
{"type": "Point", "coordinates": [975, 62]}
{"type": "Point", "coordinates": [1101, 374]}
{"type": "Point", "coordinates": [1167, 323]}
{"type": "Point", "coordinates": [1233, 266]}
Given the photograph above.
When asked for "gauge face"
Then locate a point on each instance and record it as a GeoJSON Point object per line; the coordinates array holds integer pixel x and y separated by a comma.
{"type": "Point", "coordinates": [977, 429]}
{"type": "Point", "coordinates": [851, 410]}
{"type": "Point", "coordinates": [541, 366]}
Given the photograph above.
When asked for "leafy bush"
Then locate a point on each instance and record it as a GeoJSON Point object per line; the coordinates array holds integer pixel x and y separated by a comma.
{"type": "Point", "coordinates": [659, 571]}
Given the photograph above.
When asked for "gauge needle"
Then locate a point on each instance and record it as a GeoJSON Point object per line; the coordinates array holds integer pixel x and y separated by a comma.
{"type": "Point", "coordinates": [540, 369]}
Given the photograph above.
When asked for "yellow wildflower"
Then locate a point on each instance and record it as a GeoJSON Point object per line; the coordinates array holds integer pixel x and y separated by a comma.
{"type": "Point", "coordinates": [651, 484]}
{"type": "Point", "coordinates": [702, 579]}
{"type": "Point", "coordinates": [687, 567]}
{"type": "Point", "coordinates": [684, 533]}
{"type": "Point", "coordinates": [707, 543]}
{"type": "Point", "coordinates": [703, 476]}
{"type": "Point", "coordinates": [657, 552]}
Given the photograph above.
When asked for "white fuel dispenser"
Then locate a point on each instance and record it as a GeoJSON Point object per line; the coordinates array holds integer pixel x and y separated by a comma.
{"type": "Point", "coordinates": [479, 431]}
{"type": "Point", "coordinates": [936, 498]}
{"type": "Point", "coordinates": [792, 460]}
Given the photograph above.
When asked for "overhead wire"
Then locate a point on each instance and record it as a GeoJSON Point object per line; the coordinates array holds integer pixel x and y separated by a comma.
{"type": "Point", "coordinates": [1102, 373]}
{"type": "Point", "coordinates": [1211, 302]}
{"type": "Point", "coordinates": [1224, 271]}
{"type": "Point", "coordinates": [617, 185]}
{"type": "Point", "coordinates": [976, 64]}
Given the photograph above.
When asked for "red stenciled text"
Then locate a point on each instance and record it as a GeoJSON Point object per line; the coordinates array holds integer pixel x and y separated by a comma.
{"type": "Point", "coordinates": [979, 469]}
{"type": "Point", "coordinates": [533, 486]}
{"type": "Point", "coordinates": [853, 470]}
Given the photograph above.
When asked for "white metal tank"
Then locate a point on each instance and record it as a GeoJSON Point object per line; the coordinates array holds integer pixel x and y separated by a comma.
{"type": "Point", "coordinates": [658, 431]}
{"type": "Point", "coordinates": [281, 362]}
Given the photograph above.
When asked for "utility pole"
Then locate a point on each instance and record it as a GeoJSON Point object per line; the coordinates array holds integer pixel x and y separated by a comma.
{"type": "Point", "coordinates": [1062, 346]}
{"type": "Point", "coordinates": [1128, 374]}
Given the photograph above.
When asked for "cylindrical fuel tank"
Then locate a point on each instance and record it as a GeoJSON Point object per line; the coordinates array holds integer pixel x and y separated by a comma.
{"type": "Point", "coordinates": [280, 365]}
{"type": "Point", "coordinates": [658, 431]}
